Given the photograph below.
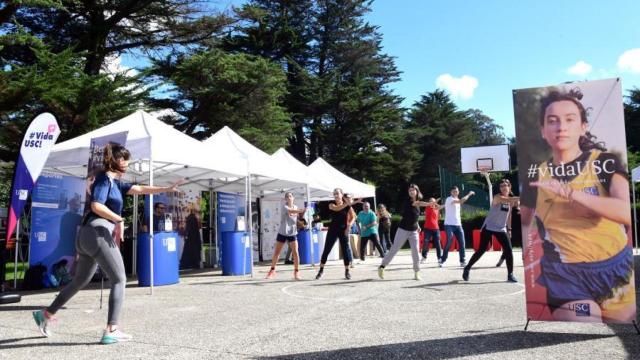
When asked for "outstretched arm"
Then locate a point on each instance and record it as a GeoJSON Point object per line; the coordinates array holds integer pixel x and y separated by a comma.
{"type": "Point", "coordinates": [145, 189]}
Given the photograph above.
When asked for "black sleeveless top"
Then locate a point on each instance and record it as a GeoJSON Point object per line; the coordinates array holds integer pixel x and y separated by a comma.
{"type": "Point", "coordinates": [339, 218]}
{"type": "Point", "coordinates": [410, 216]}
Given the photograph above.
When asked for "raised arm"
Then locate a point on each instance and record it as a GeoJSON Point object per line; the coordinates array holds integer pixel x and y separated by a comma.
{"type": "Point", "coordinates": [464, 198]}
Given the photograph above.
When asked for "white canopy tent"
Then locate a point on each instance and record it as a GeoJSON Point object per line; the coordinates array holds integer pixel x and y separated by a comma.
{"type": "Point", "coordinates": [317, 190]}
{"type": "Point", "coordinates": [263, 174]}
{"type": "Point", "coordinates": [635, 177]}
{"type": "Point", "coordinates": [159, 153]}
{"type": "Point", "coordinates": [174, 154]}
{"type": "Point", "coordinates": [267, 175]}
{"type": "Point", "coordinates": [331, 177]}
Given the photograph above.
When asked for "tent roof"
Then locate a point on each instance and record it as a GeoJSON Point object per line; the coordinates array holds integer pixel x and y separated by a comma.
{"type": "Point", "coordinates": [267, 174]}
{"type": "Point", "coordinates": [175, 154]}
{"type": "Point", "coordinates": [317, 190]}
{"type": "Point", "coordinates": [332, 178]}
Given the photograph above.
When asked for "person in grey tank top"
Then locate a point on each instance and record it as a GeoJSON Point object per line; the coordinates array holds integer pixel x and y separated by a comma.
{"type": "Point", "coordinates": [287, 233]}
{"type": "Point", "coordinates": [495, 224]}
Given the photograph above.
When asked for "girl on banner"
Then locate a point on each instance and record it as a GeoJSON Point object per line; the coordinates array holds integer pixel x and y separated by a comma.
{"type": "Point", "coordinates": [287, 234]}
{"type": "Point", "coordinates": [495, 224]}
{"type": "Point", "coordinates": [338, 230]}
{"type": "Point", "coordinates": [408, 229]}
{"type": "Point", "coordinates": [580, 200]}
{"type": "Point", "coordinates": [96, 241]}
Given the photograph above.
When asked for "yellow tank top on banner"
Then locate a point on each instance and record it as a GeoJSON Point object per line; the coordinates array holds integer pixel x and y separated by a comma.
{"type": "Point", "coordinates": [578, 238]}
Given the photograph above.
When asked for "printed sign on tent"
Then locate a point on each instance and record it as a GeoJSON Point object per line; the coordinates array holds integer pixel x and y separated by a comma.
{"type": "Point", "coordinates": [575, 210]}
{"type": "Point", "coordinates": [228, 208]}
{"type": "Point", "coordinates": [96, 156]}
{"type": "Point", "coordinates": [55, 218]}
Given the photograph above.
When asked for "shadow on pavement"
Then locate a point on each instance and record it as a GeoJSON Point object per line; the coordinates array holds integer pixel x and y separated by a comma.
{"type": "Point", "coordinates": [451, 348]}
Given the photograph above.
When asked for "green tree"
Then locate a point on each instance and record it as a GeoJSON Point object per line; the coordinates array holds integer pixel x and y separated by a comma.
{"type": "Point", "coordinates": [632, 119]}
{"type": "Point", "coordinates": [439, 129]}
{"type": "Point", "coordinates": [487, 131]}
{"type": "Point", "coordinates": [212, 89]}
{"type": "Point", "coordinates": [57, 83]}
{"type": "Point", "coordinates": [337, 80]}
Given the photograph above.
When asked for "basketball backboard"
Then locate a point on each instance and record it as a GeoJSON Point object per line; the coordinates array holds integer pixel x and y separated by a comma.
{"type": "Point", "coordinates": [492, 158]}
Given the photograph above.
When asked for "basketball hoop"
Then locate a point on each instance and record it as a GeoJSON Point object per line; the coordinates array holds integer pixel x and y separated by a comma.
{"type": "Point", "coordinates": [484, 165]}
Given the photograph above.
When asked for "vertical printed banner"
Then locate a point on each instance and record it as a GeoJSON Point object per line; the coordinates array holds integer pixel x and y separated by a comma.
{"type": "Point", "coordinates": [34, 151]}
{"type": "Point", "coordinates": [576, 216]}
{"type": "Point", "coordinates": [271, 215]}
{"type": "Point", "coordinates": [56, 216]}
{"type": "Point", "coordinates": [96, 156]}
{"type": "Point", "coordinates": [229, 208]}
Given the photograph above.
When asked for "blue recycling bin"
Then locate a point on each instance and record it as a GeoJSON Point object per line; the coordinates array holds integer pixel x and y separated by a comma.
{"type": "Point", "coordinates": [165, 259]}
{"type": "Point", "coordinates": [233, 245]}
{"type": "Point", "coordinates": [305, 242]}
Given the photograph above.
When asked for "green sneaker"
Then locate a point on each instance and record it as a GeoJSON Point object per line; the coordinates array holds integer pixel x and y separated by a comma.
{"type": "Point", "coordinates": [381, 273]}
{"type": "Point", "coordinates": [417, 276]}
{"type": "Point", "coordinates": [115, 336]}
{"type": "Point", "coordinates": [43, 323]}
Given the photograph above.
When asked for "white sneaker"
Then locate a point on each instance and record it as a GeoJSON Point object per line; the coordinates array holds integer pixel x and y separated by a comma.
{"type": "Point", "coordinates": [423, 261]}
{"type": "Point", "coordinates": [115, 336]}
{"type": "Point", "coordinates": [417, 276]}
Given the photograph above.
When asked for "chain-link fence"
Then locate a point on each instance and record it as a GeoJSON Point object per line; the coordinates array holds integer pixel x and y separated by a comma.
{"type": "Point", "coordinates": [449, 179]}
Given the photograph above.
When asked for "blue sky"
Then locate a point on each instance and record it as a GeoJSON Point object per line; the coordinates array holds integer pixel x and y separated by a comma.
{"type": "Point", "coordinates": [481, 50]}
{"type": "Point", "coordinates": [506, 45]}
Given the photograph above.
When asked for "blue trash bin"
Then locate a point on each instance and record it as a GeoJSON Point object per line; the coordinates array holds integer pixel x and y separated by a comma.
{"type": "Point", "coordinates": [304, 246]}
{"type": "Point", "coordinates": [165, 259]}
{"type": "Point", "coordinates": [233, 245]}
{"type": "Point", "coordinates": [305, 242]}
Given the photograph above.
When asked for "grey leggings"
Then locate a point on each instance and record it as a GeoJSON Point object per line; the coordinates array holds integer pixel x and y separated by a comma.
{"type": "Point", "coordinates": [95, 246]}
{"type": "Point", "coordinates": [401, 237]}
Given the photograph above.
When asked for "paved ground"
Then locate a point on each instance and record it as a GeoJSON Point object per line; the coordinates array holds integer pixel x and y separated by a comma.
{"type": "Point", "coordinates": [210, 316]}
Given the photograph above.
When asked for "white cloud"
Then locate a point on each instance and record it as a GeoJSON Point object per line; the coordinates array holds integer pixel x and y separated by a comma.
{"type": "Point", "coordinates": [113, 65]}
{"type": "Point", "coordinates": [581, 68]}
{"type": "Point", "coordinates": [630, 61]}
{"type": "Point", "coordinates": [462, 87]}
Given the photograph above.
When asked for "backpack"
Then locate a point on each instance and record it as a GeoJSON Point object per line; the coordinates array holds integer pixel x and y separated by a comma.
{"type": "Point", "coordinates": [34, 277]}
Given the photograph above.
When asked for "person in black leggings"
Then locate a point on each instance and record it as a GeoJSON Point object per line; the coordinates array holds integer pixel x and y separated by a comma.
{"type": "Point", "coordinates": [96, 242]}
{"type": "Point", "coordinates": [338, 230]}
{"type": "Point", "coordinates": [495, 224]}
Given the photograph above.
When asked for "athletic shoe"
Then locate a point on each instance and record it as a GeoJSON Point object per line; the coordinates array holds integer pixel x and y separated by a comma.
{"type": "Point", "coordinates": [271, 274]}
{"type": "Point", "coordinates": [44, 324]}
{"type": "Point", "coordinates": [347, 275]}
{"type": "Point", "coordinates": [465, 274]}
{"type": "Point", "coordinates": [319, 275]}
{"type": "Point", "coordinates": [381, 273]}
{"type": "Point", "coordinates": [511, 278]}
{"type": "Point", "coordinates": [440, 263]}
{"type": "Point", "coordinates": [288, 262]}
{"type": "Point", "coordinates": [115, 336]}
{"type": "Point", "coordinates": [351, 265]}
{"type": "Point", "coordinates": [417, 276]}
{"type": "Point", "coordinates": [463, 263]}
{"type": "Point", "coordinates": [296, 275]}
{"type": "Point", "coordinates": [500, 262]}
{"type": "Point", "coordinates": [423, 261]}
